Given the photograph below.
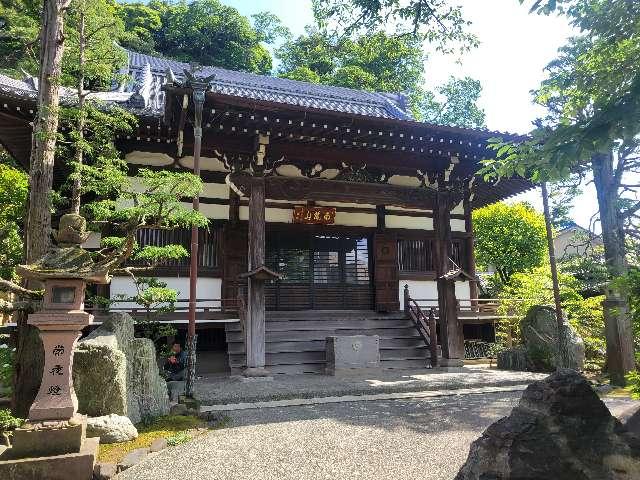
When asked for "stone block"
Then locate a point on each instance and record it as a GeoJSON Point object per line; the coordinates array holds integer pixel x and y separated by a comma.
{"type": "Point", "coordinates": [132, 458]}
{"type": "Point", "coordinates": [111, 428]}
{"type": "Point", "coordinates": [345, 353]}
{"type": "Point", "coordinates": [158, 444]}
{"type": "Point", "coordinates": [76, 466]}
{"type": "Point", "coordinates": [116, 373]}
{"type": "Point", "coordinates": [104, 471]}
{"type": "Point", "coordinates": [559, 430]}
{"type": "Point", "coordinates": [40, 440]}
{"type": "Point", "coordinates": [176, 388]}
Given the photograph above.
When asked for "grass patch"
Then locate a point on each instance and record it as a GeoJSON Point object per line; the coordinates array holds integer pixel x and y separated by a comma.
{"type": "Point", "coordinates": [620, 392]}
{"type": "Point", "coordinates": [175, 428]}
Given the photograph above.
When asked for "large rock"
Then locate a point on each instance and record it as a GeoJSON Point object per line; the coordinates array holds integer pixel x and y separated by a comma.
{"type": "Point", "coordinates": [539, 352]}
{"type": "Point", "coordinates": [111, 428]}
{"type": "Point", "coordinates": [114, 372]}
{"type": "Point", "coordinates": [559, 430]}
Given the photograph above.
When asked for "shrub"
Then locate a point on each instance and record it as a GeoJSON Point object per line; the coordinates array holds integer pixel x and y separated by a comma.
{"type": "Point", "coordinates": [8, 422]}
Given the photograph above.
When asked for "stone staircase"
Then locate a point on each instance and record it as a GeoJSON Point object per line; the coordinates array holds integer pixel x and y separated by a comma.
{"type": "Point", "coordinates": [295, 341]}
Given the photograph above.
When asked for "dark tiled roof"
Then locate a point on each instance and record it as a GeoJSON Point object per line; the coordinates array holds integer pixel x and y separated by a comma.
{"type": "Point", "coordinates": [272, 89]}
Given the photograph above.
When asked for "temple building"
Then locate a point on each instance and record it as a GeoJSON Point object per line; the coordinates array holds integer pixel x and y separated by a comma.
{"type": "Point", "coordinates": [324, 203]}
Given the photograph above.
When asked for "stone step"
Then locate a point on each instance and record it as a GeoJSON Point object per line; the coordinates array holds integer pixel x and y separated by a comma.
{"type": "Point", "coordinates": [317, 345]}
{"type": "Point", "coordinates": [310, 335]}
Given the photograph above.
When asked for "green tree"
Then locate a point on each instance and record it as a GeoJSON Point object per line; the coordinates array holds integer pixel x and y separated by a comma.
{"type": "Point", "coordinates": [13, 199]}
{"type": "Point", "coordinates": [534, 287]}
{"type": "Point", "coordinates": [458, 107]}
{"type": "Point", "coordinates": [383, 63]}
{"type": "Point", "coordinates": [19, 42]}
{"type": "Point", "coordinates": [510, 238]}
{"type": "Point", "coordinates": [437, 21]}
{"type": "Point", "coordinates": [592, 96]}
{"type": "Point", "coordinates": [210, 33]}
{"type": "Point", "coordinates": [141, 24]}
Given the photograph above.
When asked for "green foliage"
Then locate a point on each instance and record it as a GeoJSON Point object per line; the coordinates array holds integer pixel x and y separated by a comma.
{"type": "Point", "coordinates": [202, 31]}
{"type": "Point", "coordinates": [380, 62]}
{"type": "Point", "coordinates": [437, 21]}
{"type": "Point", "coordinates": [13, 198]}
{"type": "Point", "coordinates": [6, 363]}
{"type": "Point", "coordinates": [535, 287]}
{"type": "Point", "coordinates": [592, 96]}
{"type": "Point", "coordinates": [178, 438]}
{"type": "Point", "coordinates": [510, 238]}
{"type": "Point", "coordinates": [269, 27]}
{"type": "Point", "coordinates": [630, 285]}
{"type": "Point", "coordinates": [377, 62]}
{"type": "Point", "coordinates": [155, 298]}
{"type": "Point", "coordinates": [20, 45]}
{"type": "Point", "coordinates": [459, 105]}
{"type": "Point", "coordinates": [103, 171]}
{"type": "Point", "coordinates": [589, 269]}
{"type": "Point", "coordinates": [100, 25]}
{"type": "Point", "coordinates": [19, 27]}
{"type": "Point", "coordinates": [141, 23]}
{"type": "Point", "coordinates": [8, 422]}
{"type": "Point", "coordinates": [633, 384]}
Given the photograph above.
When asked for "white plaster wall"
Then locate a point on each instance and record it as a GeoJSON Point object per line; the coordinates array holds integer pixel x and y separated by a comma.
{"type": "Point", "coordinates": [458, 209]}
{"type": "Point", "coordinates": [428, 289]}
{"type": "Point", "coordinates": [457, 225]}
{"type": "Point", "coordinates": [420, 289]}
{"type": "Point", "coordinates": [412, 223]}
{"type": "Point", "coordinates": [211, 210]}
{"type": "Point", "coordinates": [207, 288]}
{"type": "Point", "coordinates": [215, 190]}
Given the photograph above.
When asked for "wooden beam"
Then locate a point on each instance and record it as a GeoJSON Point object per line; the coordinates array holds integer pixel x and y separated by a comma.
{"type": "Point", "coordinates": [302, 189]}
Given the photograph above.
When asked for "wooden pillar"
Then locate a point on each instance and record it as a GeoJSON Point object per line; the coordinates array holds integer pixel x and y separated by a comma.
{"type": "Point", "coordinates": [450, 327]}
{"type": "Point", "coordinates": [470, 266]}
{"type": "Point", "coordinates": [255, 327]}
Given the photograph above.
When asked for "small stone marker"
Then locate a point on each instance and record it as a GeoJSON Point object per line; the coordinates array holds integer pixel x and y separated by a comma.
{"type": "Point", "coordinates": [352, 353]}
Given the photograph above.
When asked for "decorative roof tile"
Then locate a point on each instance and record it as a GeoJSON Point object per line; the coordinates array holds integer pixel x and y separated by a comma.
{"type": "Point", "coordinates": [273, 89]}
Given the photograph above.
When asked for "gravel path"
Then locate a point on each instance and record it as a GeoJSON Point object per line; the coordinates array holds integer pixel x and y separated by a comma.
{"type": "Point", "coordinates": [217, 390]}
{"type": "Point", "coordinates": [391, 439]}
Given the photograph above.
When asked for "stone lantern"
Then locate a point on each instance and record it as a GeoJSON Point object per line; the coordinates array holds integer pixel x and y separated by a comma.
{"type": "Point", "coordinates": [54, 427]}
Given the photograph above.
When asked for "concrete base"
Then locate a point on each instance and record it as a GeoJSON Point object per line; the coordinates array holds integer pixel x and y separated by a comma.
{"type": "Point", "coordinates": [255, 379]}
{"type": "Point", "coordinates": [76, 466]}
{"type": "Point", "coordinates": [351, 372]}
{"type": "Point", "coordinates": [48, 438]}
{"type": "Point", "coordinates": [450, 362]}
{"type": "Point", "coordinates": [254, 372]}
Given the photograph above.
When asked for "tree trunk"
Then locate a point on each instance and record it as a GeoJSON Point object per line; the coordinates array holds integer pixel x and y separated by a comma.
{"type": "Point", "coordinates": [76, 189]}
{"type": "Point", "coordinates": [29, 355]}
{"type": "Point", "coordinates": [617, 321]}
{"type": "Point", "coordinates": [563, 353]}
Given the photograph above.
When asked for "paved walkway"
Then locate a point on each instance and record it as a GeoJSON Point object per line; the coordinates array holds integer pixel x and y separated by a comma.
{"type": "Point", "coordinates": [217, 390]}
{"type": "Point", "coordinates": [385, 439]}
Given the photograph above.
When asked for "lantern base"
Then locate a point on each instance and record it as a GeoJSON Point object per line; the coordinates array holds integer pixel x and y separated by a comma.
{"type": "Point", "coordinates": [44, 439]}
{"type": "Point", "coordinates": [76, 465]}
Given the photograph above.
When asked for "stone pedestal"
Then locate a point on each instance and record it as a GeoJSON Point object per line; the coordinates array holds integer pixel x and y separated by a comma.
{"type": "Point", "coordinates": [350, 354]}
{"type": "Point", "coordinates": [56, 398]}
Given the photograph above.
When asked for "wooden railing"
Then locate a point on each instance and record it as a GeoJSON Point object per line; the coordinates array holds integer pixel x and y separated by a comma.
{"type": "Point", "coordinates": [475, 308]}
{"type": "Point", "coordinates": [207, 309]}
{"type": "Point", "coordinates": [426, 325]}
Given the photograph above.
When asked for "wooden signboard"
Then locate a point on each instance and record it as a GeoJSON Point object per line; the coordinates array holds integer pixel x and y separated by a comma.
{"type": "Point", "coordinates": [314, 215]}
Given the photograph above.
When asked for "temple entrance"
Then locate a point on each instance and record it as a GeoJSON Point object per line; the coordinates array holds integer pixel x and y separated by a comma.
{"type": "Point", "coordinates": [320, 271]}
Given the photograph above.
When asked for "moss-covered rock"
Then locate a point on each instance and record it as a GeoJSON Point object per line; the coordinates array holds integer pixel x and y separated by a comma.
{"type": "Point", "coordinates": [115, 373]}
